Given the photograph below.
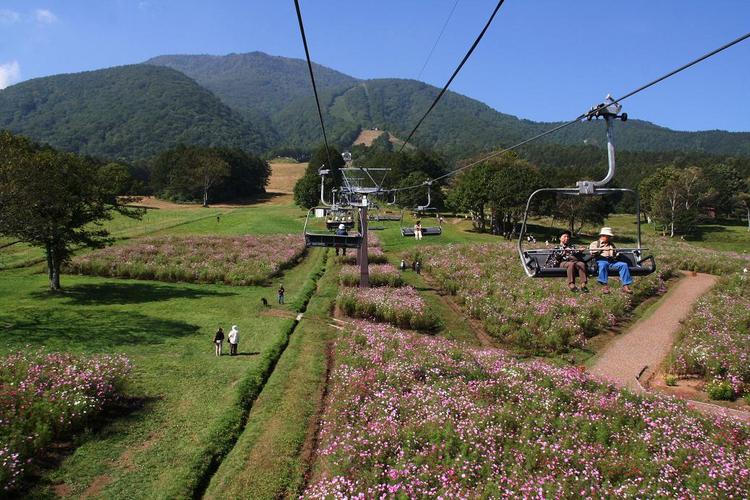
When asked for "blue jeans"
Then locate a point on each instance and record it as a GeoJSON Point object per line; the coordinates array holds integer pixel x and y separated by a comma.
{"type": "Point", "coordinates": [620, 267]}
{"type": "Point", "coordinates": [281, 298]}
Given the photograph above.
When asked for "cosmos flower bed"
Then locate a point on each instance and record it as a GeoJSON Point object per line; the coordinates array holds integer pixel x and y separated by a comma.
{"type": "Point", "coordinates": [375, 254]}
{"type": "Point", "coordinates": [46, 396]}
{"type": "Point", "coordinates": [539, 316]}
{"type": "Point", "coordinates": [380, 275]}
{"type": "Point", "coordinates": [714, 343]}
{"type": "Point", "coordinates": [678, 254]}
{"type": "Point", "coordinates": [416, 416]}
{"type": "Point", "coordinates": [232, 260]}
{"type": "Point", "coordinates": [402, 307]}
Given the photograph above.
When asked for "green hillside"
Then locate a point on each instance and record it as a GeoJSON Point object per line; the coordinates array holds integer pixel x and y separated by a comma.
{"type": "Point", "coordinates": [127, 113]}
{"type": "Point", "coordinates": [279, 89]}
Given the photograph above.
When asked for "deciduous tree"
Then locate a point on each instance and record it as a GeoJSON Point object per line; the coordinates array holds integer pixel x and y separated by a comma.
{"type": "Point", "coordinates": [56, 201]}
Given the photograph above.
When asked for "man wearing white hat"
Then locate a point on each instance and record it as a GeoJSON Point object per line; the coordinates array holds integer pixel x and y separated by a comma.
{"type": "Point", "coordinates": [605, 253]}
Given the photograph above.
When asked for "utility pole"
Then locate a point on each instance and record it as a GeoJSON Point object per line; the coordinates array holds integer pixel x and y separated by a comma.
{"type": "Point", "coordinates": [364, 269]}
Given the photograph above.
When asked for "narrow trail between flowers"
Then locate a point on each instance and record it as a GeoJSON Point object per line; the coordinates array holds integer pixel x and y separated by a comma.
{"type": "Point", "coordinates": [639, 351]}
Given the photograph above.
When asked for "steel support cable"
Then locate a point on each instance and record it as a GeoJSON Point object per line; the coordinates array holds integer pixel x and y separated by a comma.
{"type": "Point", "coordinates": [440, 35]}
{"type": "Point", "coordinates": [312, 79]}
{"type": "Point", "coordinates": [455, 73]}
{"type": "Point", "coordinates": [582, 116]}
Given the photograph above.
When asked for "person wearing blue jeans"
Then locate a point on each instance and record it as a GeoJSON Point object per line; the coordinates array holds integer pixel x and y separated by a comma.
{"type": "Point", "coordinates": [605, 253]}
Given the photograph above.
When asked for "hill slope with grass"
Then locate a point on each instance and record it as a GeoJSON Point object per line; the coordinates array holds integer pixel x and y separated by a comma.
{"type": "Point", "coordinates": [278, 89]}
{"type": "Point", "coordinates": [126, 113]}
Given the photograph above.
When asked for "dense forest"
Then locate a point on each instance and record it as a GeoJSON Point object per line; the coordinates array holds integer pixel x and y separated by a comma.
{"type": "Point", "coordinates": [278, 89]}
{"type": "Point", "coordinates": [127, 113]}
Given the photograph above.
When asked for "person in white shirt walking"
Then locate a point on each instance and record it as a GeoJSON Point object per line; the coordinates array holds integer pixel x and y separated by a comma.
{"type": "Point", "coordinates": [234, 339]}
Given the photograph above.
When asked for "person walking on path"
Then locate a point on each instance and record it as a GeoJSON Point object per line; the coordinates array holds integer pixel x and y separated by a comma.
{"type": "Point", "coordinates": [418, 230]}
{"type": "Point", "coordinates": [341, 231]}
{"type": "Point", "coordinates": [218, 341]}
{"type": "Point", "coordinates": [605, 253]}
{"type": "Point", "coordinates": [418, 266]}
{"type": "Point", "coordinates": [281, 294]}
{"type": "Point", "coordinates": [234, 339]}
{"type": "Point", "coordinates": [402, 266]}
{"type": "Point", "coordinates": [570, 258]}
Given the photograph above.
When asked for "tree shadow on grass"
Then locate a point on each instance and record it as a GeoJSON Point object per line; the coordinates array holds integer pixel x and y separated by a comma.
{"type": "Point", "coordinates": [65, 329]}
{"type": "Point", "coordinates": [127, 293]}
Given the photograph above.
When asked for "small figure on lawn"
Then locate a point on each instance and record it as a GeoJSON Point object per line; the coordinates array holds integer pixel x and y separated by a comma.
{"type": "Point", "coordinates": [281, 293]}
{"type": "Point", "coordinates": [234, 339]}
{"type": "Point", "coordinates": [218, 341]}
{"type": "Point", "coordinates": [402, 266]}
{"type": "Point", "coordinates": [341, 231]}
{"type": "Point", "coordinates": [570, 258]}
{"type": "Point", "coordinates": [605, 253]}
{"type": "Point", "coordinates": [418, 267]}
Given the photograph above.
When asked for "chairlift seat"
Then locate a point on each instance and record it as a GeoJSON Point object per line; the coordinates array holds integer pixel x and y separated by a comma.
{"type": "Point", "coordinates": [537, 263]}
{"type": "Point", "coordinates": [332, 240]}
{"type": "Point", "coordinates": [426, 231]}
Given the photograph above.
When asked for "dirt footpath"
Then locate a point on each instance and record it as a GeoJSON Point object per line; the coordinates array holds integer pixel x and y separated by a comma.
{"type": "Point", "coordinates": [648, 341]}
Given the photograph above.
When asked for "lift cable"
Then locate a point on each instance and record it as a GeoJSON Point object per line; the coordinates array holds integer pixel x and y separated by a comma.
{"type": "Point", "coordinates": [312, 79]}
{"type": "Point", "coordinates": [445, 88]}
{"type": "Point", "coordinates": [429, 56]}
{"type": "Point", "coordinates": [592, 112]}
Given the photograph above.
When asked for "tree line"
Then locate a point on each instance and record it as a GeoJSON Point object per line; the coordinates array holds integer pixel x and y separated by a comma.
{"type": "Point", "coordinates": [677, 190]}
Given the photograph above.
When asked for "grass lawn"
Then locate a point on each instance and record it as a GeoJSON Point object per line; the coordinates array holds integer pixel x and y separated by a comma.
{"type": "Point", "coordinates": [268, 460]}
{"type": "Point", "coordinates": [184, 392]}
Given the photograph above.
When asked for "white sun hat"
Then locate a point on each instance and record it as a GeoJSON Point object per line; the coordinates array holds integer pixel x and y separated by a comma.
{"type": "Point", "coordinates": [606, 231]}
{"type": "Point", "coordinates": [341, 226]}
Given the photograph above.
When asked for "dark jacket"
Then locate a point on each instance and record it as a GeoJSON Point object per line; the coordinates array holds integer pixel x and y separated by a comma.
{"type": "Point", "coordinates": [219, 336]}
{"type": "Point", "coordinates": [341, 232]}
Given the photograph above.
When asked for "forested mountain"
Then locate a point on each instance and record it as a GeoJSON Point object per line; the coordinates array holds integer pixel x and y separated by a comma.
{"type": "Point", "coordinates": [279, 89]}
{"type": "Point", "coordinates": [262, 103]}
{"type": "Point", "coordinates": [126, 113]}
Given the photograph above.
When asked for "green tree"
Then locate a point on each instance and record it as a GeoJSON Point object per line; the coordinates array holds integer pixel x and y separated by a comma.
{"type": "Point", "coordinates": [56, 201]}
{"type": "Point", "coordinates": [672, 196]}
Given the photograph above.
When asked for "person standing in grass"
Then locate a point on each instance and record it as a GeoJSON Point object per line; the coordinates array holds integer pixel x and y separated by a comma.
{"type": "Point", "coordinates": [218, 341]}
{"type": "Point", "coordinates": [281, 294]}
{"type": "Point", "coordinates": [234, 339]}
{"type": "Point", "coordinates": [605, 253]}
{"type": "Point", "coordinates": [571, 259]}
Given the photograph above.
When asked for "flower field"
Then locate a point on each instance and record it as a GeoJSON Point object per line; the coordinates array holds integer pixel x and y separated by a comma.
{"type": "Point", "coordinates": [232, 260]}
{"type": "Point", "coordinates": [417, 416]}
{"type": "Point", "coordinates": [402, 307]}
{"type": "Point", "coordinates": [380, 275]}
{"type": "Point", "coordinates": [43, 396]}
{"type": "Point", "coordinates": [534, 315]}
{"type": "Point", "coordinates": [714, 343]}
{"type": "Point", "coordinates": [677, 254]}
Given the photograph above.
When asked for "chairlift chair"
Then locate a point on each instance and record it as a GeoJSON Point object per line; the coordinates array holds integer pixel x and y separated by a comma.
{"type": "Point", "coordinates": [537, 263]}
{"type": "Point", "coordinates": [326, 238]}
{"type": "Point", "coordinates": [424, 210]}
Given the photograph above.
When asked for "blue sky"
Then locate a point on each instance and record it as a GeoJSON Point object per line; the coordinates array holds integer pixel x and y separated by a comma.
{"type": "Point", "coordinates": [543, 60]}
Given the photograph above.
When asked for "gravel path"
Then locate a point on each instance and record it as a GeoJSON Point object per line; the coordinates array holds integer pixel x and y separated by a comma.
{"type": "Point", "coordinates": [648, 341]}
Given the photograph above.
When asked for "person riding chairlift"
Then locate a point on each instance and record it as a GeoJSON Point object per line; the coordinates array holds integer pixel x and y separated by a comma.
{"type": "Point", "coordinates": [570, 258]}
{"type": "Point", "coordinates": [341, 231]}
{"type": "Point", "coordinates": [605, 253]}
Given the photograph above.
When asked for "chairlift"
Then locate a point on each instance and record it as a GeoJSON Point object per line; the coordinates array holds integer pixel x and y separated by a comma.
{"type": "Point", "coordinates": [424, 211]}
{"type": "Point", "coordinates": [386, 215]}
{"type": "Point", "coordinates": [326, 238]}
{"type": "Point", "coordinates": [539, 263]}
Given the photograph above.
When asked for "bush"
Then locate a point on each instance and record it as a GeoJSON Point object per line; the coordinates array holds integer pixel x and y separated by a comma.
{"type": "Point", "coordinates": [402, 307]}
{"type": "Point", "coordinates": [380, 275]}
{"type": "Point", "coordinates": [720, 390]}
{"type": "Point", "coordinates": [670, 380]}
